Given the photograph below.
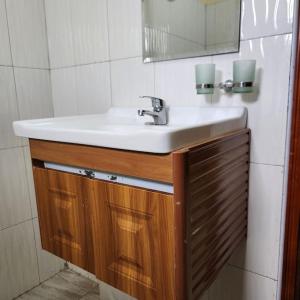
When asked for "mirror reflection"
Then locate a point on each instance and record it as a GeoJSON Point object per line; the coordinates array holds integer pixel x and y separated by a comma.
{"type": "Point", "coordinates": [176, 29]}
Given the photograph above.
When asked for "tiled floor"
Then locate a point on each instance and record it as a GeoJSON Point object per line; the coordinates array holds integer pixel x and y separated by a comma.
{"type": "Point", "coordinates": [66, 285]}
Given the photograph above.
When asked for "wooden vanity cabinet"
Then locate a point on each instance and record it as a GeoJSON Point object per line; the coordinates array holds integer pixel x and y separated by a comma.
{"type": "Point", "coordinates": [148, 244]}
{"type": "Point", "coordinates": [120, 233]}
{"type": "Point", "coordinates": [62, 201]}
{"type": "Point", "coordinates": [133, 240]}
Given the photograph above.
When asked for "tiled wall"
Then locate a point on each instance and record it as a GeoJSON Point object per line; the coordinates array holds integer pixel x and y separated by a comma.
{"type": "Point", "coordinates": [101, 63]}
{"type": "Point", "coordinates": [25, 92]}
{"type": "Point", "coordinates": [95, 61]}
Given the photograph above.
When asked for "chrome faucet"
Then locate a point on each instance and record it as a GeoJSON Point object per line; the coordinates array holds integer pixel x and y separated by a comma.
{"type": "Point", "coordinates": [159, 112]}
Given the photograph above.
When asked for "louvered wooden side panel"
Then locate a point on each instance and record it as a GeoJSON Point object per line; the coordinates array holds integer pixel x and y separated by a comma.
{"type": "Point", "coordinates": [217, 184]}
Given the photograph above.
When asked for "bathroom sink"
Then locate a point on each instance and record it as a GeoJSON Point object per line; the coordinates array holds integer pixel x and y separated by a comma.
{"type": "Point", "coordinates": [122, 128]}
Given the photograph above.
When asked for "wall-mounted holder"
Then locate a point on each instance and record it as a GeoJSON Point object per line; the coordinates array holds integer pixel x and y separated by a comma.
{"type": "Point", "coordinates": [243, 78]}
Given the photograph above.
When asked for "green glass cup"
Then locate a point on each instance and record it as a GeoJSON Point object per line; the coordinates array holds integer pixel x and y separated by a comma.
{"type": "Point", "coordinates": [205, 78]}
{"type": "Point", "coordinates": [244, 75]}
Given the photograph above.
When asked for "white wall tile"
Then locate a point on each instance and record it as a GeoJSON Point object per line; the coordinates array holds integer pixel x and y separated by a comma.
{"type": "Point", "coordinates": [30, 181]}
{"type": "Point", "coordinates": [33, 93]}
{"type": "Point", "coordinates": [131, 79]}
{"type": "Point", "coordinates": [90, 31]}
{"type": "Point", "coordinates": [48, 263]}
{"type": "Point", "coordinates": [27, 27]}
{"type": "Point", "coordinates": [77, 32]}
{"type": "Point", "coordinates": [14, 197]}
{"type": "Point", "coordinates": [5, 55]}
{"type": "Point", "coordinates": [236, 284]}
{"type": "Point", "coordinates": [59, 29]}
{"type": "Point", "coordinates": [175, 82]}
{"type": "Point", "coordinates": [81, 90]}
{"type": "Point", "coordinates": [18, 261]}
{"type": "Point", "coordinates": [125, 28]}
{"type": "Point", "coordinates": [267, 106]}
{"type": "Point", "coordinates": [93, 91]}
{"type": "Point", "coordinates": [260, 252]}
{"type": "Point", "coordinates": [64, 92]}
{"type": "Point", "coordinates": [9, 108]}
{"type": "Point", "coordinates": [266, 18]}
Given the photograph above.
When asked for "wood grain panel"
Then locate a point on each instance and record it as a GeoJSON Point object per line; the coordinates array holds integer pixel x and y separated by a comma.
{"type": "Point", "coordinates": [137, 255]}
{"type": "Point", "coordinates": [136, 164]}
{"type": "Point", "coordinates": [63, 211]}
{"type": "Point", "coordinates": [216, 207]}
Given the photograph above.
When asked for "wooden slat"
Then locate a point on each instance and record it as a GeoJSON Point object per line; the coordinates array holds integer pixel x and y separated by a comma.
{"type": "Point", "coordinates": [216, 206]}
{"type": "Point", "coordinates": [210, 242]}
{"type": "Point", "coordinates": [213, 208]}
{"type": "Point", "coordinates": [217, 266]}
{"type": "Point", "coordinates": [211, 190]}
{"type": "Point", "coordinates": [216, 238]}
{"type": "Point", "coordinates": [218, 143]}
{"type": "Point", "coordinates": [215, 255]}
{"type": "Point", "coordinates": [136, 164]}
{"type": "Point", "coordinates": [219, 161]}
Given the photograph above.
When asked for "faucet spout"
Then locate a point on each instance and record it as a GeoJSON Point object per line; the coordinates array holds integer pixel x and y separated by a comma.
{"type": "Point", "coordinates": [159, 112]}
{"type": "Point", "coordinates": [143, 112]}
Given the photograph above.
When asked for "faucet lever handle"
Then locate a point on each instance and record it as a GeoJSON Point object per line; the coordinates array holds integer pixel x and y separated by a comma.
{"type": "Point", "coordinates": [157, 103]}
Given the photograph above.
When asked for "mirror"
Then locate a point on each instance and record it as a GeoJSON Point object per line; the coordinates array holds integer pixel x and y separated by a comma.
{"type": "Point", "coordinates": [174, 29]}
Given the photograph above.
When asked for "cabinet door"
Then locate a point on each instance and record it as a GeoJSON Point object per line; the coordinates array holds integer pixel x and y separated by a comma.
{"type": "Point", "coordinates": [133, 236]}
{"type": "Point", "coordinates": [62, 206]}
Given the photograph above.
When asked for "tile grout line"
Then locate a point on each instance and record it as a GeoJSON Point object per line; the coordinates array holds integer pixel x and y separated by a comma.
{"type": "Point", "coordinates": [36, 251]}
{"type": "Point", "coordinates": [15, 225]}
{"type": "Point", "coordinates": [24, 67]}
{"type": "Point", "coordinates": [59, 274]}
{"type": "Point", "coordinates": [139, 56]}
{"type": "Point", "coordinates": [13, 70]}
{"type": "Point", "coordinates": [46, 32]}
{"type": "Point", "coordinates": [252, 272]}
{"type": "Point", "coordinates": [266, 36]}
{"type": "Point", "coordinates": [32, 218]}
{"type": "Point", "coordinates": [41, 282]}
{"type": "Point", "coordinates": [127, 58]}
{"type": "Point", "coordinates": [8, 32]}
{"type": "Point", "coordinates": [23, 154]}
{"type": "Point", "coordinates": [109, 55]}
{"type": "Point", "coordinates": [27, 181]}
{"type": "Point", "coordinates": [94, 63]}
{"type": "Point", "coordinates": [13, 147]}
{"type": "Point", "coordinates": [49, 62]}
{"type": "Point", "coordinates": [266, 164]}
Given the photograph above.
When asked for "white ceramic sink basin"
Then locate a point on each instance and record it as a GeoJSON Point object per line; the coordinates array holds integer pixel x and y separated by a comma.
{"type": "Point", "coordinates": [122, 128]}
